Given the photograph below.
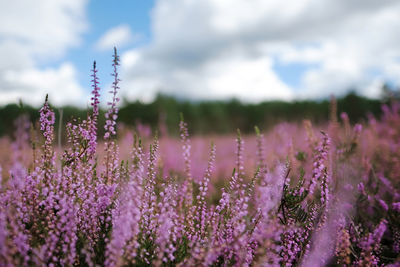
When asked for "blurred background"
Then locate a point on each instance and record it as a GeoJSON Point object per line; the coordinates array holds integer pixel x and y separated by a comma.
{"type": "Point", "coordinates": [223, 64]}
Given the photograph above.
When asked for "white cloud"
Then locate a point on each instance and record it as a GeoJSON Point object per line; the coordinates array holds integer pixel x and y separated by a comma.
{"type": "Point", "coordinates": [210, 48]}
{"type": "Point", "coordinates": [33, 33]}
{"type": "Point", "coordinates": [31, 86]}
{"type": "Point", "coordinates": [249, 79]}
{"type": "Point", "coordinates": [392, 69]}
{"type": "Point", "coordinates": [116, 37]}
{"type": "Point", "coordinates": [130, 58]}
{"type": "Point", "coordinates": [43, 28]}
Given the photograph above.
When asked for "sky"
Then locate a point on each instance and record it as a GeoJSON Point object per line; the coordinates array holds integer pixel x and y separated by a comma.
{"type": "Point", "coordinates": [199, 50]}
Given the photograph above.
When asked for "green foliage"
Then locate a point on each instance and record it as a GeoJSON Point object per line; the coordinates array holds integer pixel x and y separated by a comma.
{"type": "Point", "coordinates": [301, 156]}
{"type": "Point", "coordinates": [291, 202]}
{"type": "Point", "coordinates": [218, 117]}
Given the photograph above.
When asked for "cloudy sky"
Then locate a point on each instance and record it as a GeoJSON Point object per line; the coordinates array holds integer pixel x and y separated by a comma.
{"type": "Point", "coordinates": [210, 49]}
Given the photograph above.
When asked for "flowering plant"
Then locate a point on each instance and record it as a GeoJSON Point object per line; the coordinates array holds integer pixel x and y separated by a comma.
{"type": "Point", "coordinates": [307, 198]}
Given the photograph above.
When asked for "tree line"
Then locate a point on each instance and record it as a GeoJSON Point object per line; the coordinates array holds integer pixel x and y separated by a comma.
{"type": "Point", "coordinates": [209, 117]}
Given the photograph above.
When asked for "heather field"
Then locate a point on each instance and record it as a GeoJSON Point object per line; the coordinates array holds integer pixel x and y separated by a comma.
{"type": "Point", "coordinates": [296, 195]}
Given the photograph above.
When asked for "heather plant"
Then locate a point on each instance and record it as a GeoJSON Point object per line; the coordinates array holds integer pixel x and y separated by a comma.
{"type": "Point", "coordinates": [298, 195]}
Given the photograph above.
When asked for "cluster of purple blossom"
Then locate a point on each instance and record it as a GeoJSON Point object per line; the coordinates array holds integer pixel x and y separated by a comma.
{"type": "Point", "coordinates": [308, 199]}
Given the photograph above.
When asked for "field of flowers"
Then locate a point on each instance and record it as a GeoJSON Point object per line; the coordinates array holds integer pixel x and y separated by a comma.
{"type": "Point", "coordinates": [298, 195]}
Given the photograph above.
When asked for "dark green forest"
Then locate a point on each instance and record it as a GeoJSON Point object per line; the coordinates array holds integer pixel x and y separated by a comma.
{"type": "Point", "coordinates": [210, 117]}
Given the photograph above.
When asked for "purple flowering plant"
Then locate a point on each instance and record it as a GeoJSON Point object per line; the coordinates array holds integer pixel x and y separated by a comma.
{"type": "Point", "coordinates": [298, 196]}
